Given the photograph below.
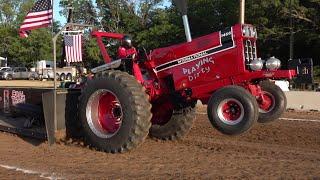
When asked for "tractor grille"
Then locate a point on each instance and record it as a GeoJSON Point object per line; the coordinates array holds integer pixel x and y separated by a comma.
{"type": "Point", "coordinates": [250, 51]}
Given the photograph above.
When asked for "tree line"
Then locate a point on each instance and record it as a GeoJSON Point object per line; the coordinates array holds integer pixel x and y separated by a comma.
{"type": "Point", "coordinates": [156, 23]}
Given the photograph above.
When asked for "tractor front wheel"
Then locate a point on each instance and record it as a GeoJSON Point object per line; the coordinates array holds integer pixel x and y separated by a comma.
{"type": "Point", "coordinates": [232, 110]}
{"type": "Point", "coordinates": [171, 124]}
{"type": "Point", "coordinates": [115, 112]}
{"type": "Point", "coordinates": [272, 103]}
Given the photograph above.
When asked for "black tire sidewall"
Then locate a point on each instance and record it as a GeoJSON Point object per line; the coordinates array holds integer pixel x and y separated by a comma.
{"type": "Point", "coordinates": [248, 102]}
{"type": "Point", "coordinates": [177, 126]}
{"type": "Point", "coordinates": [280, 102]}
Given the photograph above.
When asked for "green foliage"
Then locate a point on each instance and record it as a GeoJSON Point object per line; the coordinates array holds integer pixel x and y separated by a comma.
{"type": "Point", "coordinates": [21, 51]}
{"type": "Point", "coordinates": [163, 32]}
{"type": "Point", "coordinates": [25, 51]}
{"type": "Point", "coordinates": [92, 53]}
{"type": "Point", "coordinates": [84, 11]}
{"type": "Point", "coordinates": [316, 72]}
{"type": "Point", "coordinates": [273, 21]}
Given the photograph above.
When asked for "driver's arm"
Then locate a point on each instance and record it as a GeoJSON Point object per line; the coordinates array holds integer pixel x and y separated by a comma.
{"type": "Point", "coordinates": [122, 52]}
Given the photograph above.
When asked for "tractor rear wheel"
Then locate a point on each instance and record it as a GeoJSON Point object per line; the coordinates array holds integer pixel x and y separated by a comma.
{"type": "Point", "coordinates": [232, 110]}
{"type": "Point", "coordinates": [115, 112]}
{"type": "Point", "coordinates": [274, 103]}
{"type": "Point", "coordinates": [174, 125]}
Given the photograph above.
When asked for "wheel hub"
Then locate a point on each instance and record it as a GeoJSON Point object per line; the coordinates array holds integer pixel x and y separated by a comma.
{"type": "Point", "coordinates": [266, 102]}
{"type": "Point", "coordinates": [104, 113]}
{"type": "Point", "coordinates": [230, 111]}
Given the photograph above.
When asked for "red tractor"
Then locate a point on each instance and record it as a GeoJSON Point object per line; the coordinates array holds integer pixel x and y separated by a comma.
{"type": "Point", "coordinates": [156, 93]}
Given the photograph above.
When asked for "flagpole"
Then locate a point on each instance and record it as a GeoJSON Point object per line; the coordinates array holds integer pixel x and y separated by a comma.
{"type": "Point", "coordinates": [54, 70]}
{"type": "Point", "coordinates": [291, 33]}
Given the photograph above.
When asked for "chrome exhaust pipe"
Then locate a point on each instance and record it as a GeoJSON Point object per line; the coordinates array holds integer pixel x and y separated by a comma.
{"type": "Point", "coordinates": [187, 27]}
{"type": "Point", "coordinates": [183, 8]}
{"type": "Point", "coordinates": [242, 11]}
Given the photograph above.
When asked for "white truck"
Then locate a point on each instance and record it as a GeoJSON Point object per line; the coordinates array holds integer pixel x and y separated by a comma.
{"type": "Point", "coordinates": [45, 70]}
{"type": "Point", "coordinates": [3, 62]}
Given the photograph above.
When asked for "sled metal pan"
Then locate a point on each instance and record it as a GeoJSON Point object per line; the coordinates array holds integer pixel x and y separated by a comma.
{"type": "Point", "coordinates": [16, 126]}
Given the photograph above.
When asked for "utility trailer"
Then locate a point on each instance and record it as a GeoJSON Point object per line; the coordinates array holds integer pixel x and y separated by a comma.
{"type": "Point", "coordinates": [45, 70]}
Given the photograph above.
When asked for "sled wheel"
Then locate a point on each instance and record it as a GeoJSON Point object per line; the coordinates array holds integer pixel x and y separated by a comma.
{"type": "Point", "coordinates": [174, 125]}
{"type": "Point", "coordinates": [115, 112]}
{"type": "Point", "coordinates": [69, 77]}
{"type": "Point", "coordinates": [274, 103]}
{"type": "Point", "coordinates": [232, 110]}
{"type": "Point", "coordinates": [62, 77]}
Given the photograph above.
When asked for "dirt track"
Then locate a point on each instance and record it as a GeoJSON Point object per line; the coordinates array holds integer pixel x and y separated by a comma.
{"type": "Point", "coordinates": [283, 149]}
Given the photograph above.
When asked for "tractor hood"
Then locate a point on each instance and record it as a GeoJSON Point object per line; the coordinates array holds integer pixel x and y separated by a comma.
{"type": "Point", "coordinates": [172, 56]}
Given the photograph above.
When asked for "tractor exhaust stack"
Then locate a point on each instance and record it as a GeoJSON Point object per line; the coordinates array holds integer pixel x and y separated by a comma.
{"type": "Point", "coordinates": [183, 8]}
{"type": "Point", "coordinates": [242, 11]}
{"type": "Point", "coordinates": [186, 27]}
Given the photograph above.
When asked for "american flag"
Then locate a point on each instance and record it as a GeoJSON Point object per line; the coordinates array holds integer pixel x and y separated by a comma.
{"type": "Point", "coordinates": [38, 17]}
{"type": "Point", "coordinates": [73, 48]}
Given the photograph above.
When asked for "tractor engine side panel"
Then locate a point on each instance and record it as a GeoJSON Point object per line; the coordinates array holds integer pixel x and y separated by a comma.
{"type": "Point", "coordinates": [214, 63]}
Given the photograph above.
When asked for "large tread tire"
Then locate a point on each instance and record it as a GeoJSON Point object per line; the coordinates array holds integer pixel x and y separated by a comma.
{"type": "Point", "coordinates": [249, 108]}
{"type": "Point", "coordinates": [280, 102]}
{"type": "Point", "coordinates": [73, 125]}
{"type": "Point", "coordinates": [137, 115]}
{"type": "Point", "coordinates": [177, 127]}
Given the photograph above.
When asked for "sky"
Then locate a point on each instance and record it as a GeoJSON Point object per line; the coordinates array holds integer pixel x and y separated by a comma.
{"type": "Point", "coordinates": [56, 14]}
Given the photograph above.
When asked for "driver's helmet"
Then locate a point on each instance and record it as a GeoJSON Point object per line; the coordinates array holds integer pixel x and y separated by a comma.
{"type": "Point", "coordinates": [126, 41]}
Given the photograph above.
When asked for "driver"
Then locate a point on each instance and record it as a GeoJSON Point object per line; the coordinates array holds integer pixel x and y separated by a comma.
{"type": "Point", "coordinates": [126, 50]}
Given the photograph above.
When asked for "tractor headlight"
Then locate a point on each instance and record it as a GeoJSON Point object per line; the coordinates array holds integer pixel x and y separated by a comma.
{"type": "Point", "coordinates": [256, 65]}
{"type": "Point", "coordinates": [273, 63]}
{"type": "Point", "coordinates": [254, 32]}
{"type": "Point", "coordinates": [249, 31]}
{"type": "Point", "coordinates": [246, 31]}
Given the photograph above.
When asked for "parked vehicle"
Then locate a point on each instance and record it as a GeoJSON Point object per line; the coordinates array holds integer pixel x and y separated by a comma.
{"type": "Point", "coordinates": [18, 73]}
{"type": "Point", "coordinates": [3, 72]}
{"type": "Point", "coordinates": [45, 70]}
{"type": "Point", "coordinates": [2, 69]}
